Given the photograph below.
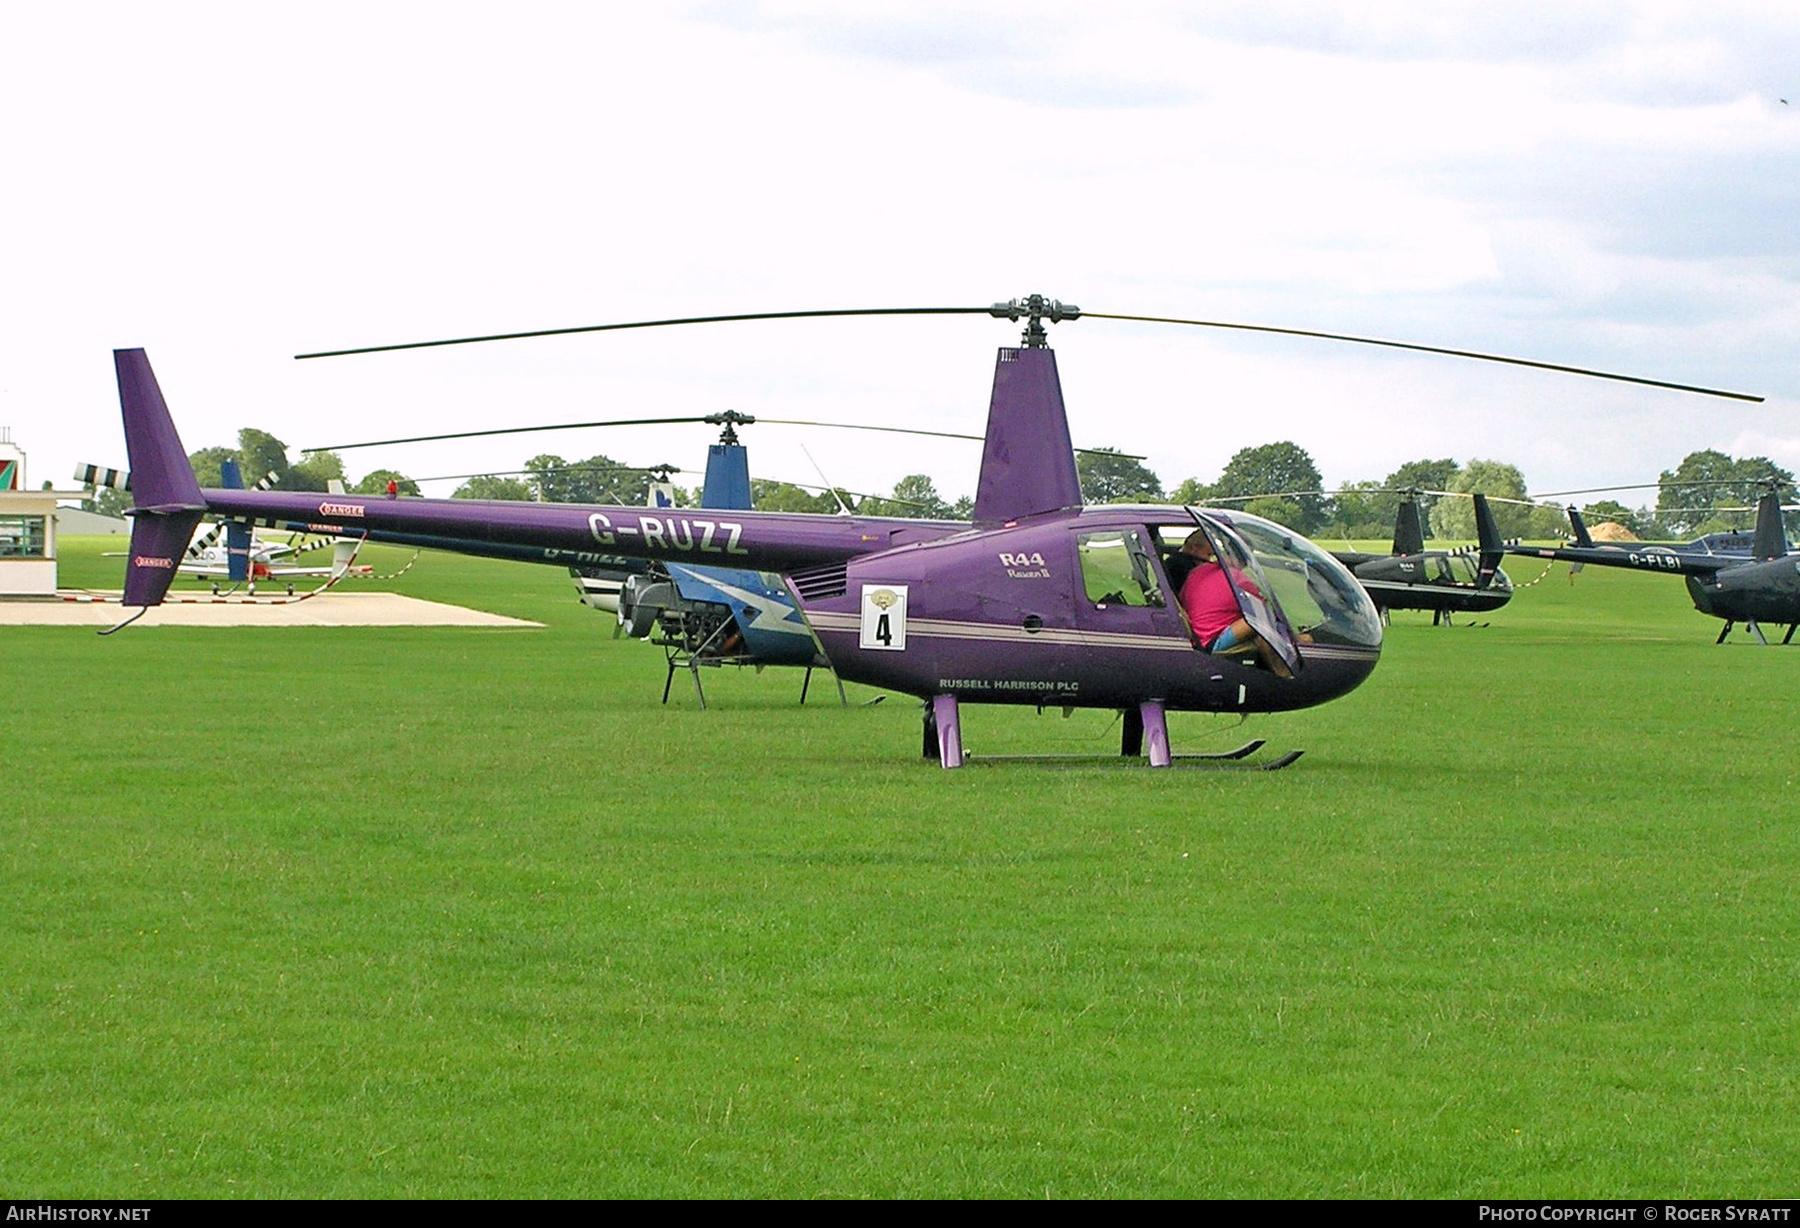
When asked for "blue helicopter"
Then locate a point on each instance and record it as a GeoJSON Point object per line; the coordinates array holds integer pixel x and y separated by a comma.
{"type": "Point", "coordinates": [699, 616]}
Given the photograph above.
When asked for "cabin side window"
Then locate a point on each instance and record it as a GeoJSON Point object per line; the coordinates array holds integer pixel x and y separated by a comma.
{"type": "Point", "coordinates": [1115, 569]}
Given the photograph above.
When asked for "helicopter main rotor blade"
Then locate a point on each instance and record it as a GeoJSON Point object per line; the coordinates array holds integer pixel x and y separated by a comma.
{"type": "Point", "coordinates": [569, 426]}
{"type": "Point", "coordinates": [648, 470]}
{"type": "Point", "coordinates": [907, 430]}
{"type": "Point", "coordinates": [502, 430]}
{"type": "Point", "coordinates": [557, 469]}
{"type": "Point", "coordinates": [857, 426]}
{"type": "Point", "coordinates": [1405, 491]}
{"type": "Point", "coordinates": [1430, 349]}
{"type": "Point", "coordinates": [607, 328]}
{"type": "Point", "coordinates": [1469, 494]}
{"type": "Point", "coordinates": [1672, 484]}
{"type": "Point", "coordinates": [1037, 309]}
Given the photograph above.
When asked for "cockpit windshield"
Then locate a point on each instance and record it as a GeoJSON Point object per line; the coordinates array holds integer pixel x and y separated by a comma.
{"type": "Point", "coordinates": [1461, 569]}
{"type": "Point", "coordinates": [1319, 597]}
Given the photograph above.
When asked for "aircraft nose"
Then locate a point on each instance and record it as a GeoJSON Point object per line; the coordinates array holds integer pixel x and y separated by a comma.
{"type": "Point", "coordinates": [1330, 671]}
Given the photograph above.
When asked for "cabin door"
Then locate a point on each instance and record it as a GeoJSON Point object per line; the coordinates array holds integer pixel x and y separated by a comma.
{"type": "Point", "coordinates": [1255, 597]}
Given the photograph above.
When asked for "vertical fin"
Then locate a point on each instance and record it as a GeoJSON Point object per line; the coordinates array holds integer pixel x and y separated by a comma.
{"type": "Point", "coordinates": [1579, 527]}
{"type": "Point", "coordinates": [237, 533]}
{"type": "Point", "coordinates": [1771, 534]}
{"type": "Point", "coordinates": [160, 474]}
{"type": "Point", "coordinates": [1028, 463]}
{"type": "Point", "coordinates": [1493, 550]}
{"type": "Point", "coordinates": [167, 500]}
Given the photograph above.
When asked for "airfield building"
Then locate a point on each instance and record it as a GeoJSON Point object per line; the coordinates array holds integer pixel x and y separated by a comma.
{"type": "Point", "coordinates": [27, 527]}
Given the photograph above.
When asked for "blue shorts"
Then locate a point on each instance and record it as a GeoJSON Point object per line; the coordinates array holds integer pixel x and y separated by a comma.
{"type": "Point", "coordinates": [1226, 641]}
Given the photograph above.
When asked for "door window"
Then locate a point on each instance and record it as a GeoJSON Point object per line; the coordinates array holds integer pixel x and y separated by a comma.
{"type": "Point", "coordinates": [1115, 570]}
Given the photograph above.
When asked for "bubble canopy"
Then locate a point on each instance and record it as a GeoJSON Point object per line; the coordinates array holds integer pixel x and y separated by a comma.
{"type": "Point", "coordinates": [1316, 593]}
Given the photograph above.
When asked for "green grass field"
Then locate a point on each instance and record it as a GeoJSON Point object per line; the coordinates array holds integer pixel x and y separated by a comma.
{"type": "Point", "coordinates": [448, 912]}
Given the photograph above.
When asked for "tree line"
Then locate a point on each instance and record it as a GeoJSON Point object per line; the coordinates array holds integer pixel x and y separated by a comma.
{"type": "Point", "coordinates": [1707, 492]}
{"type": "Point", "coordinates": [260, 455]}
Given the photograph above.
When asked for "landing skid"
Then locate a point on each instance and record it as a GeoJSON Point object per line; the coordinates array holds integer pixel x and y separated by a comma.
{"type": "Point", "coordinates": [692, 661]}
{"type": "Point", "coordinates": [1754, 628]}
{"type": "Point", "coordinates": [1243, 752]}
{"type": "Point", "coordinates": [1229, 761]}
{"type": "Point", "coordinates": [682, 653]}
{"type": "Point", "coordinates": [1234, 759]}
{"type": "Point", "coordinates": [1143, 742]}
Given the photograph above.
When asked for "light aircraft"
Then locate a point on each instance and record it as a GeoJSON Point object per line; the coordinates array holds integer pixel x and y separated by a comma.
{"type": "Point", "coordinates": [248, 559]}
{"type": "Point", "coordinates": [259, 561]}
{"type": "Point", "coordinates": [1038, 601]}
{"type": "Point", "coordinates": [231, 550]}
{"type": "Point", "coordinates": [1763, 587]}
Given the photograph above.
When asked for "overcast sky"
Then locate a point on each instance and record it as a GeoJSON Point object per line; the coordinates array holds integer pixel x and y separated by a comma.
{"type": "Point", "coordinates": [1612, 186]}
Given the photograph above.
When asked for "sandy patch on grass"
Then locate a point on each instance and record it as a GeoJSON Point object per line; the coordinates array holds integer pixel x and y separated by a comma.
{"type": "Point", "coordinates": [325, 610]}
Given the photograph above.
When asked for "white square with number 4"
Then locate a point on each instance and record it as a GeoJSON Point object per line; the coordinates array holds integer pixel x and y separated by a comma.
{"type": "Point", "coordinates": [884, 617]}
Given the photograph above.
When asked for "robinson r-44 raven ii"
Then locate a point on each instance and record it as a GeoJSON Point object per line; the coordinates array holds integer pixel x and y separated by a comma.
{"type": "Point", "coordinates": [1038, 601]}
{"type": "Point", "coordinates": [1763, 587]}
{"type": "Point", "coordinates": [1446, 582]}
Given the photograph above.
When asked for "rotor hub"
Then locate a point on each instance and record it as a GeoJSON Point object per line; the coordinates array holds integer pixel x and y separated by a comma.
{"type": "Point", "coordinates": [1034, 309]}
{"type": "Point", "coordinates": [729, 419]}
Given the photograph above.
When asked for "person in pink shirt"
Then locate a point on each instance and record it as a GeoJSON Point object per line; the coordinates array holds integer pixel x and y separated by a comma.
{"type": "Point", "coordinates": [1212, 607]}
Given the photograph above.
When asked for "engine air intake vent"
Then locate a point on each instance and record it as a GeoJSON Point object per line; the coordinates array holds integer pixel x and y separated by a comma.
{"type": "Point", "coordinates": [822, 582]}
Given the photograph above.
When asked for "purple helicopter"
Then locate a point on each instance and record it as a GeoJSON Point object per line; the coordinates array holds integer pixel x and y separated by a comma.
{"type": "Point", "coordinates": [1038, 601]}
